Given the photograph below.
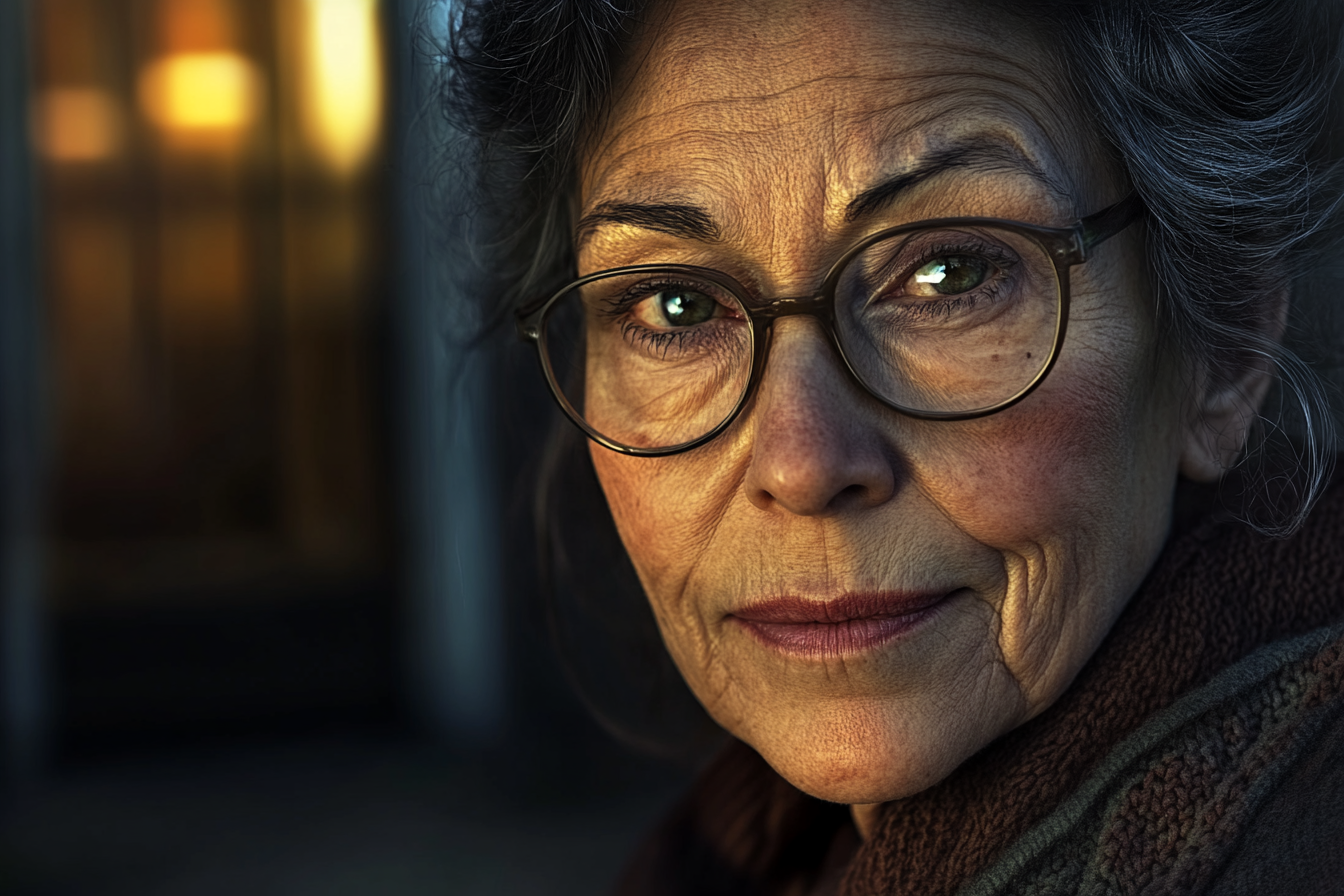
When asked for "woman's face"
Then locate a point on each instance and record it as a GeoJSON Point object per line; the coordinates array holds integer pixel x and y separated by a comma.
{"type": "Point", "coordinates": [865, 598]}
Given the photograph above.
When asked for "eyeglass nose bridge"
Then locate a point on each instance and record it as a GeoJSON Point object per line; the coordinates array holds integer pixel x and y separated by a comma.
{"type": "Point", "coordinates": [763, 315]}
{"type": "Point", "coordinates": [768, 312]}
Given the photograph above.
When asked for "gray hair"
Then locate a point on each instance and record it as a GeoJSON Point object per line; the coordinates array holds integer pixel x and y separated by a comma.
{"type": "Point", "coordinates": [1216, 110]}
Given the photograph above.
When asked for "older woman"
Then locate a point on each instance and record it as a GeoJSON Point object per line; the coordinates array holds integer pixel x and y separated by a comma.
{"type": "Point", "coordinates": [896, 327]}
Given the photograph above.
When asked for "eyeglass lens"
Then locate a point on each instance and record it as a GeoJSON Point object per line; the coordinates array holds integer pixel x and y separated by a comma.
{"type": "Point", "coordinates": [947, 320]}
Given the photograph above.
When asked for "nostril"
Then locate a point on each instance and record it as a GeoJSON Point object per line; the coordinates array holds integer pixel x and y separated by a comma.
{"type": "Point", "coordinates": [851, 495]}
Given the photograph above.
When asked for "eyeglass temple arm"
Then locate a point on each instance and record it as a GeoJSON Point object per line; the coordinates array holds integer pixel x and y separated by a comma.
{"type": "Point", "coordinates": [1111, 220]}
{"type": "Point", "coordinates": [525, 320]}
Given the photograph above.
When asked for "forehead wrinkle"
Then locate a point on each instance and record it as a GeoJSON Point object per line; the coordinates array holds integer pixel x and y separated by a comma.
{"type": "Point", "coordinates": [1027, 150]}
{"type": "Point", "coordinates": [697, 46]}
{"type": "Point", "coordinates": [793, 243]}
{"type": "Point", "coordinates": [682, 117]}
{"type": "Point", "coordinates": [723, 144]}
{"type": "Point", "coordinates": [739, 108]}
{"type": "Point", "coordinates": [995, 115]}
{"type": "Point", "coordinates": [697, 179]}
{"type": "Point", "coordinates": [1013, 87]}
{"type": "Point", "coordinates": [745, 110]}
{"type": "Point", "coordinates": [1034, 63]}
{"type": "Point", "coordinates": [944, 65]}
{"type": "Point", "coordinates": [700, 151]}
{"type": "Point", "coordinates": [679, 49]}
{"type": "Point", "coordinates": [762, 98]}
{"type": "Point", "coordinates": [978, 84]}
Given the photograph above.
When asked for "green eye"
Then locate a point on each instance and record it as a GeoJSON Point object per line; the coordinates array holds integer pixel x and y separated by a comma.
{"type": "Point", "coordinates": [685, 307]}
{"type": "Point", "coordinates": [951, 275]}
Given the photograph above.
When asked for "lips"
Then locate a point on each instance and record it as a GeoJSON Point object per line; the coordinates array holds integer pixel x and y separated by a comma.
{"type": "Point", "coordinates": [846, 625]}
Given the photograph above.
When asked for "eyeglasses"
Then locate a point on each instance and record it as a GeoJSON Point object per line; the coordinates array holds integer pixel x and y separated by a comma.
{"type": "Point", "coordinates": [946, 319]}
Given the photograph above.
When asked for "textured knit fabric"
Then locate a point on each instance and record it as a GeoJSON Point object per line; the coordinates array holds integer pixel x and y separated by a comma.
{"type": "Point", "coordinates": [1218, 593]}
{"type": "Point", "coordinates": [1170, 808]}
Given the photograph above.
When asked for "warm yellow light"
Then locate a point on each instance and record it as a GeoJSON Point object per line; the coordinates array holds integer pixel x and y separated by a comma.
{"type": "Point", "coordinates": [77, 124]}
{"type": "Point", "coordinates": [201, 92]}
{"type": "Point", "coordinates": [343, 89]}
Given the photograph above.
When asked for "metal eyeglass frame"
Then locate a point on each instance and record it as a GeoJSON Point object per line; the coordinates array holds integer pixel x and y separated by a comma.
{"type": "Point", "coordinates": [1066, 247]}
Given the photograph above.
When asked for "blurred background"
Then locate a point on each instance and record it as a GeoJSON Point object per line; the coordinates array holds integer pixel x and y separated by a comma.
{"type": "Point", "coordinates": [269, 619]}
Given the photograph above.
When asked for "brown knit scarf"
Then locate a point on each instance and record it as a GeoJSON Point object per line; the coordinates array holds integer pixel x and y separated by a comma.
{"type": "Point", "coordinates": [1218, 592]}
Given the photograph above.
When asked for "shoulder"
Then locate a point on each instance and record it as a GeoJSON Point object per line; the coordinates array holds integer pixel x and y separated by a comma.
{"type": "Point", "coordinates": [1236, 788]}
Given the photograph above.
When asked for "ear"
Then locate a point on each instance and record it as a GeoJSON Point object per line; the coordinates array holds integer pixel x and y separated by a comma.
{"type": "Point", "coordinates": [1225, 407]}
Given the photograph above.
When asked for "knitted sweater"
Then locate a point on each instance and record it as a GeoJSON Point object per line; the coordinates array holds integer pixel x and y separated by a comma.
{"type": "Point", "coordinates": [1254, 759]}
{"type": "Point", "coordinates": [1201, 750]}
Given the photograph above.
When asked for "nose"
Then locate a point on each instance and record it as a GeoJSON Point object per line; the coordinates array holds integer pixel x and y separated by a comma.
{"type": "Point", "coordinates": [820, 443]}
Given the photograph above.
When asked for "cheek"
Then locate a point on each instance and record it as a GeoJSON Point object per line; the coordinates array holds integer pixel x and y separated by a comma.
{"type": "Point", "coordinates": [666, 511]}
{"type": "Point", "coordinates": [1073, 491]}
{"type": "Point", "coordinates": [1091, 447]}
{"type": "Point", "coordinates": [1024, 475]}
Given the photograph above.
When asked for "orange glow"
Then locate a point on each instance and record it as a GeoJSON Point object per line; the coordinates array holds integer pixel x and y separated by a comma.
{"type": "Point", "coordinates": [201, 92]}
{"type": "Point", "coordinates": [194, 26]}
{"type": "Point", "coordinates": [343, 89]}
{"type": "Point", "coordinates": [77, 124]}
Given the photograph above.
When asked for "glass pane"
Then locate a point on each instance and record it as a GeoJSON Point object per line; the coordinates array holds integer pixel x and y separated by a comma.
{"type": "Point", "coordinates": [650, 360]}
{"type": "Point", "coordinates": [950, 319]}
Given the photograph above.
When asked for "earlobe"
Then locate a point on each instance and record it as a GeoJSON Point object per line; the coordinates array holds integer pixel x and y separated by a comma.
{"type": "Point", "coordinates": [1220, 421]}
{"type": "Point", "coordinates": [1218, 429]}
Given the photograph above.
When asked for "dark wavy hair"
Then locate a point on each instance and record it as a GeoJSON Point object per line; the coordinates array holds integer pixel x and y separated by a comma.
{"type": "Point", "coordinates": [1220, 112]}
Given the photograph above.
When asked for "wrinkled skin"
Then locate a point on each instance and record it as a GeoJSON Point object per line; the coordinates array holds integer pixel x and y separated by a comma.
{"type": "Point", "coordinates": [1039, 521]}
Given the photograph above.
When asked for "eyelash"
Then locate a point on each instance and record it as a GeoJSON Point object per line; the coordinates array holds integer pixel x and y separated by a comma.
{"type": "Point", "coordinates": [928, 308]}
{"type": "Point", "coordinates": [654, 342]}
{"type": "Point", "coordinates": [651, 340]}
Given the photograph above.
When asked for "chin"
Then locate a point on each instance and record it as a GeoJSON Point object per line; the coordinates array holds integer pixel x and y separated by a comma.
{"type": "Point", "coordinates": [871, 773]}
{"type": "Point", "coordinates": [875, 755]}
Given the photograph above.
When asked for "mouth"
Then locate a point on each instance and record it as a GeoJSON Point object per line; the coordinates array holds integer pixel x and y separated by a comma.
{"type": "Point", "coordinates": [850, 624]}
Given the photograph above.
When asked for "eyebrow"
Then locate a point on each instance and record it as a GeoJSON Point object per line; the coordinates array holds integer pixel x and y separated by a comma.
{"type": "Point", "coordinates": [692, 222]}
{"type": "Point", "coordinates": [676, 218]}
{"type": "Point", "coordinates": [978, 155]}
